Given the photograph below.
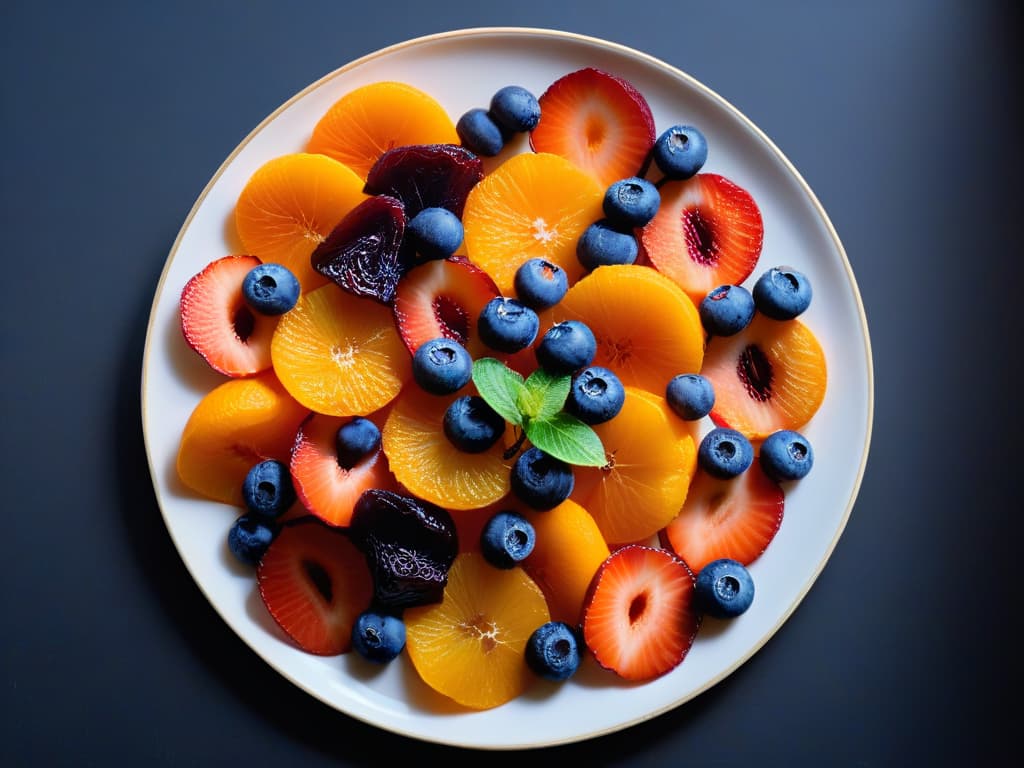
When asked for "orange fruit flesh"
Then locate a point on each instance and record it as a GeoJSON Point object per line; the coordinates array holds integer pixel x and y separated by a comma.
{"type": "Point", "coordinates": [290, 205]}
{"type": "Point", "coordinates": [533, 205]}
{"type": "Point", "coordinates": [367, 122]}
{"type": "Point", "coordinates": [770, 376]}
{"type": "Point", "coordinates": [235, 426]}
{"type": "Point", "coordinates": [647, 329]}
{"type": "Point", "coordinates": [340, 354]}
{"type": "Point", "coordinates": [652, 459]}
{"type": "Point", "coordinates": [471, 646]}
{"type": "Point", "coordinates": [429, 466]}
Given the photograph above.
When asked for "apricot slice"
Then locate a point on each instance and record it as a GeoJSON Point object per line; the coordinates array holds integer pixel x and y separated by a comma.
{"type": "Point", "coordinates": [647, 329]}
{"type": "Point", "coordinates": [651, 460]}
{"type": "Point", "coordinates": [340, 354]}
{"type": "Point", "coordinates": [429, 466]}
{"type": "Point", "coordinates": [290, 205]}
{"type": "Point", "coordinates": [532, 205]}
{"type": "Point", "coordinates": [235, 426]}
{"type": "Point", "coordinates": [471, 646]}
{"type": "Point", "coordinates": [770, 376]}
{"type": "Point", "coordinates": [365, 123]}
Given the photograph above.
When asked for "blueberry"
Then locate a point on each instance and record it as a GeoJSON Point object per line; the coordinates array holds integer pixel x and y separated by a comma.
{"type": "Point", "coordinates": [680, 152]}
{"type": "Point", "coordinates": [507, 539]}
{"type": "Point", "coordinates": [267, 489]}
{"type": "Point", "coordinates": [596, 395]}
{"type": "Point", "coordinates": [436, 233]}
{"type": "Point", "coordinates": [442, 366]}
{"type": "Point", "coordinates": [541, 481]}
{"type": "Point", "coordinates": [515, 110]}
{"type": "Point", "coordinates": [471, 425]}
{"type": "Point", "coordinates": [566, 347]}
{"type": "Point", "coordinates": [553, 651]}
{"type": "Point", "coordinates": [378, 637]}
{"type": "Point", "coordinates": [726, 310]}
{"type": "Point", "coordinates": [690, 395]}
{"type": "Point", "coordinates": [631, 202]}
{"type": "Point", "coordinates": [507, 325]}
{"type": "Point", "coordinates": [356, 440]}
{"type": "Point", "coordinates": [540, 284]}
{"type": "Point", "coordinates": [725, 453]}
{"type": "Point", "coordinates": [724, 589]}
{"type": "Point", "coordinates": [270, 289]}
{"type": "Point", "coordinates": [479, 133]}
{"type": "Point", "coordinates": [602, 244]}
{"type": "Point", "coordinates": [786, 455]}
{"type": "Point", "coordinates": [782, 293]}
{"type": "Point", "coordinates": [250, 536]}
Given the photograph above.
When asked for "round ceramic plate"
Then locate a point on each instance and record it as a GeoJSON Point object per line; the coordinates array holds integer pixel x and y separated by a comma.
{"type": "Point", "coordinates": [462, 70]}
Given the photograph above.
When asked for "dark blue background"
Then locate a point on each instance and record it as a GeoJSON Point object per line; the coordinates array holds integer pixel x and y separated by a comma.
{"type": "Point", "coordinates": [902, 116]}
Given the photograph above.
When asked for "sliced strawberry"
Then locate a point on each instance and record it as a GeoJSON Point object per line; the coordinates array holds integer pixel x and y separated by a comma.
{"type": "Point", "coordinates": [639, 618]}
{"type": "Point", "coordinates": [324, 487]}
{"type": "Point", "coordinates": [597, 121]}
{"type": "Point", "coordinates": [707, 232]}
{"type": "Point", "coordinates": [218, 324]}
{"type": "Point", "coordinates": [734, 518]}
{"type": "Point", "coordinates": [315, 583]}
{"type": "Point", "coordinates": [443, 298]}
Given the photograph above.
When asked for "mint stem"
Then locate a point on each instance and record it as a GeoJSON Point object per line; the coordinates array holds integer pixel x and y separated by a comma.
{"type": "Point", "coordinates": [515, 447]}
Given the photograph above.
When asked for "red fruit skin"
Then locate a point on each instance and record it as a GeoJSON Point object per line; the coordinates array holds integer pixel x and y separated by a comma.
{"type": "Point", "coordinates": [304, 554]}
{"type": "Point", "coordinates": [217, 323]}
{"type": "Point", "coordinates": [583, 111]}
{"type": "Point", "coordinates": [735, 518]}
{"type": "Point", "coordinates": [708, 232]}
{"type": "Point", "coordinates": [426, 176]}
{"type": "Point", "coordinates": [639, 616]}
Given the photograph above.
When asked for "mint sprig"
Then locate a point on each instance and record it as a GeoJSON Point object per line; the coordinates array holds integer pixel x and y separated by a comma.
{"type": "Point", "coordinates": [536, 406]}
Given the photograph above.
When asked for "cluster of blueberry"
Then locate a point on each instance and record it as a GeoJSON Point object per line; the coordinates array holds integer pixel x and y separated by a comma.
{"type": "Point", "coordinates": [513, 110]}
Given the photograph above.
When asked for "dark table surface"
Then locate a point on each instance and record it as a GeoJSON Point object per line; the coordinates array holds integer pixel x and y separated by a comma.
{"type": "Point", "coordinates": [900, 115]}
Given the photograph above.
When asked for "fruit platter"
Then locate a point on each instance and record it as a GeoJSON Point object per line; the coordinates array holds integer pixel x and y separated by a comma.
{"type": "Point", "coordinates": [505, 388]}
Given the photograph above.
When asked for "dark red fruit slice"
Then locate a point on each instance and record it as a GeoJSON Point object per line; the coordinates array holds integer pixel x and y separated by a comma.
{"type": "Point", "coordinates": [409, 545]}
{"type": "Point", "coordinates": [364, 254]}
{"type": "Point", "coordinates": [426, 176]}
{"type": "Point", "coordinates": [707, 232]}
{"type": "Point", "coordinates": [315, 583]}
{"type": "Point", "coordinates": [219, 325]}
{"type": "Point", "coordinates": [735, 518]}
{"type": "Point", "coordinates": [443, 298]}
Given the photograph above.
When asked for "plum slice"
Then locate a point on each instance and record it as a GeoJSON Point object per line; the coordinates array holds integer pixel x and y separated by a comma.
{"type": "Point", "coordinates": [426, 176]}
{"type": "Point", "coordinates": [364, 253]}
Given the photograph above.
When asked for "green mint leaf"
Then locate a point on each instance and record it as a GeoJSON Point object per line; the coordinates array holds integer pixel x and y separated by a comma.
{"type": "Point", "coordinates": [547, 393]}
{"type": "Point", "coordinates": [567, 438]}
{"type": "Point", "coordinates": [500, 387]}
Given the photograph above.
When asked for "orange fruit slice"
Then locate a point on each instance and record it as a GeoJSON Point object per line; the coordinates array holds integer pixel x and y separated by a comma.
{"type": "Point", "coordinates": [770, 376]}
{"type": "Point", "coordinates": [471, 646]}
{"type": "Point", "coordinates": [647, 329]}
{"type": "Point", "coordinates": [532, 205]}
{"type": "Point", "coordinates": [340, 354]}
{"type": "Point", "coordinates": [235, 426]}
{"type": "Point", "coordinates": [365, 123]}
{"type": "Point", "coordinates": [651, 460]}
{"type": "Point", "coordinates": [429, 466]}
{"type": "Point", "coordinates": [290, 204]}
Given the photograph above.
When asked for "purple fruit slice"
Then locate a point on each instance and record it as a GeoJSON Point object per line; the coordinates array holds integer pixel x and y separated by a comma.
{"type": "Point", "coordinates": [409, 545]}
{"type": "Point", "coordinates": [426, 176]}
{"type": "Point", "coordinates": [364, 253]}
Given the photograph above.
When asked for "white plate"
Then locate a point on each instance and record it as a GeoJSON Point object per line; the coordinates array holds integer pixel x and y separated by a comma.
{"type": "Point", "coordinates": [462, 69]}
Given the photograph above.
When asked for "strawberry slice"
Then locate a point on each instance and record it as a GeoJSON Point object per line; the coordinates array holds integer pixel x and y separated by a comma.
{"type": "Point", "coordinates": [734, 518]}
{"type": "Point", "coordinates": [324, 487]}
{"type": "Point", "coordinates": [639, 618]}
{"type": "Point", "coordinates": [315, 583]}
{"type": "Point", "coordinates": [707, 232]}
{"type": "Point", "coordinates": [218, 324]}
{"type": "Point", "coordinates": [443, 298]}
{"type": "Point", "coordinates": [597, 121]}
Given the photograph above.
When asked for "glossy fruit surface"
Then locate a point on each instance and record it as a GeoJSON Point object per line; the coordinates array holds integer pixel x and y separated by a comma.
{"type": "Point", "coordinates": [782, 293]}
{"type": "Point", "coordinates": [436, 233]}
{"type": "Point", "coordinates": [426, 176]}
{"type": "Point", "coordinates": [724, 589]}
{"type": "Point", "coordinates": [566, 347]}
{"type": "Point", "coordinates": [680, 151]}
{"type": "Point", "coordinates": [726, 310]}
{"type": "Point", "coordinates": [690, 395]}
{"type": "Point", "coordinates": [596, 395]}
{"type": "Point", "coordinates": [539, 284]}
{"type": "Point", "coordinates": [378, 637]}
{"type": "Point", "coordinates": [631, 202]}
{"type": "Point", "coordinates": [442, 366]}
{"type": "Point", "coordinates": [507, 539]}
{"type": "Point", "coordinates": [725, 453]}
{"type": "Point", "coordinates": [270, 289]}
{"type": "Point", "coordinates": [786, 455]}
{"type": "Point", "coordinates": [553, 651]}
{"type": "Point", "coordinates": [514, 109]}
{"type": "Point", "coordinates": [507, 325]}
{"type": "Point", "coordinates": [479, 133]}
{"type": "Point", "coordinates": [541, 481]}
{"type": "Point", "coordinates": [471, 425]}
{"type": "Point", "coordinates": [603, 244]}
